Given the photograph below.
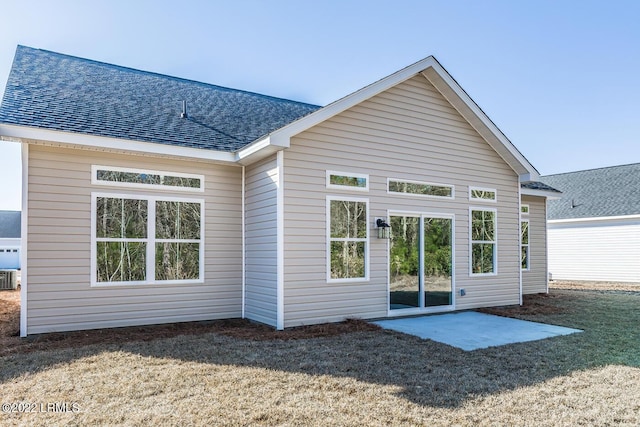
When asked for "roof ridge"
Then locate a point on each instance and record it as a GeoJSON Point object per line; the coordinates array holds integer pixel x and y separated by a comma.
{"type": "Point", "coordinates": [165, 76]}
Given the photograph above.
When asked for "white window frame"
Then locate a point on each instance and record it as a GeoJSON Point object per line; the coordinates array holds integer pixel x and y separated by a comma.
{"type": "Point", "coordinates": [494, 242]}
{"type": "Point", "coordinates": [477, 199]}
{"type": "Point", "coordinates": [150, 240]}
{"type": "Point", "coordinates": [409, 181]}
{"type": "Point", "coordinates": [96, 181]}
{"type": "Point", "coordinates": [347, 187]}
{"type": "Point", "coordinates": [330, 239]}
{"type": "Point", "coordinates": [524, 206]}
{"type": "Point", "coordinates": [527, 245]}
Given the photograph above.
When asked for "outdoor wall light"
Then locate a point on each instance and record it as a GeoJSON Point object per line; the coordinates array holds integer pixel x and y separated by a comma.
{"type": "Point", "coordinates": [384, 229]}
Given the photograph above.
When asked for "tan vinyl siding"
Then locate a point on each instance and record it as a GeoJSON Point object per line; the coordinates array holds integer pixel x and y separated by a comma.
{"type": "Point", "coordinates": [408, 132]}
{"type": "Point", "coordinates": [260, 241]}
{"type": "Point", "coordinates": [59, 245]}
{"type": "Point", "coordinates": [535, 279]}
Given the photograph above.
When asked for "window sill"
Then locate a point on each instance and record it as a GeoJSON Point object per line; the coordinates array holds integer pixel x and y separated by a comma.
{"type": "Point", "coordinates": [146, 284]}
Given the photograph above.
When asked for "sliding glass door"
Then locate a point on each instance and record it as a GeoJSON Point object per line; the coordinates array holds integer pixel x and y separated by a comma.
{"type": "Point", "coordinates": [420, 262]}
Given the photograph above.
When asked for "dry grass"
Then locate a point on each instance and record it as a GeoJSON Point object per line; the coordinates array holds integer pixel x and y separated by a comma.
{"type": "Point", "coordinates": [366, 377]}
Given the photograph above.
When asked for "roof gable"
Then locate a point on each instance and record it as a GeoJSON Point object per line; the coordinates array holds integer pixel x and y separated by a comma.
{"type": "Point", "coordinates": [53, 91]}
{"type": "Point", "coordinates": [604, 192]}
{"type": "Point", "coordinates": [431, 69]}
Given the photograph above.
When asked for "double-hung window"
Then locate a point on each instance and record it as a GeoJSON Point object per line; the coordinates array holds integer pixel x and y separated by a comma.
{"type": "Point", "coordinates": [483, 241]}
{"type": "Point", "coordinates": [347, 240]}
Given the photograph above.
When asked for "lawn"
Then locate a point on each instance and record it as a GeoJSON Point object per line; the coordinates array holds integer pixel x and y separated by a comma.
{"type": "Point", "coordinates": [235, 373]}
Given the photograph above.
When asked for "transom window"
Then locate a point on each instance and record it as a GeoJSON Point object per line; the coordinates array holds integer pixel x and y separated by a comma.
{"type": "Point", "coordinates": [347, 181]}
{"type": "Point", "coordinates": [145, 239]}
{"type": "Point", "coordinates": [524, 209]}
{"type": "Point", "coordinates": [420, 188]}
{"type": "Point", "coordinates": [348, 244]}
{"type": "Point", "coordinates": [524, 244]}
{"type": "Point", "coordinates": [483, 194]}
{"type": "Point", "coordinates": [483, 241]}
{"type": "Point", "coordinates": [139, 178]}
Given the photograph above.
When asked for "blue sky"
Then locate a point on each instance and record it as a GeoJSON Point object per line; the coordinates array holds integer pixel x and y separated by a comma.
{"type": "Point", "coordinates": [559, 78]}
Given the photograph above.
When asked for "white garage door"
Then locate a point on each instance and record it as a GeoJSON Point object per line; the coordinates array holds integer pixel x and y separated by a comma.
{"type": "Point", "coordinates": [9, 258]}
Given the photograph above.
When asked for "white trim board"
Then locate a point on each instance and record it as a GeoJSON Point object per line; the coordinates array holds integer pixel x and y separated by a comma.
{"type": "Point", "coordinates": [280, 242]}
{"type": "Point", "coordinates": [24, 270]}
{"type": "Point", "coordinates": [593, 219]}
{"type": "Point", "coordinates": [100, 142]}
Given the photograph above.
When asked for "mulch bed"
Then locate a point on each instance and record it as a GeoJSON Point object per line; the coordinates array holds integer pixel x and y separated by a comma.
{"type": "Point", "coordinates": [10, 342]}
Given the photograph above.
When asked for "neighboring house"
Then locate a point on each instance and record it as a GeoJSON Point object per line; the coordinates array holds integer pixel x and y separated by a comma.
{"type": "Point", "coordinates": [9, 240]}
{"type": "Point", "coordinates": [594, 229]}
{"type": "Point", "coordinates": [153, 199]}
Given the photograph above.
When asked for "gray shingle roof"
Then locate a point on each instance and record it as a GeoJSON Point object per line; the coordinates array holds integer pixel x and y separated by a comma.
{"type": "Point", "coordinates": [610, 191]}
{"type": "Point", "coordinates": [60, 92]}
{"type": "Point", "coordinates": [9, 224]}
{"type": "Point", "coordinates": [535, 185]}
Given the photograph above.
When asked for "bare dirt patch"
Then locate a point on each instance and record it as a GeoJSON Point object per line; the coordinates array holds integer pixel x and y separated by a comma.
{"type": "Point", "coordinates": [9, 314]}
{"type": "Point", "coordinates": [595, 286]}
{"type": "Point", "coordinates": [555, 302]}
{"type": "Point", "coordinates": [532, 305]}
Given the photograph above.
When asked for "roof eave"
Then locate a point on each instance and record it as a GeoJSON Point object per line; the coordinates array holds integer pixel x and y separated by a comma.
{"type": "Point", "coordinates": [258, 150]}
{"type": "Point", "coordinates": [550, 195]}
{"type": "Point", "coordinates": [72, 139]}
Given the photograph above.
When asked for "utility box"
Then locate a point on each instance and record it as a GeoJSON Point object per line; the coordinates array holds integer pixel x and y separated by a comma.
{"type": "Point", "coordinates": [8, 279]}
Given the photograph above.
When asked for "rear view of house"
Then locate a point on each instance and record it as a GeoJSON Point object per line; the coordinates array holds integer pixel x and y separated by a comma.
{"type": "Point", "coordinates": [153, 199]}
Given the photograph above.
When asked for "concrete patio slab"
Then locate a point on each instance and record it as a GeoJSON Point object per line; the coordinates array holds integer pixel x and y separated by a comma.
{"type": "Point", "coordinates": [469, 330]}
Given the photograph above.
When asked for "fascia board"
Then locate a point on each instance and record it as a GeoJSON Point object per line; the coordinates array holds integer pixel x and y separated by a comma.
{"type": "Point", "coordinates": [76, 139]}
{"type": "Point", "coordinates": [595, 219]}
{"type": "Point", "coordinates": [528, 177]}
{"type": "Point", "coordinates": [257, 155]}
{"type": "Point", "coordinates": [438, 76]}
{"type": "Point", "coordinates": [252, 148]}
{"type": "Point", "coordinates": [550, 195]}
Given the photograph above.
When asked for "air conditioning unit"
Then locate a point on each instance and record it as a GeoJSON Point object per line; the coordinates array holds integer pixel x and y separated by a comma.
{"type": "Point", "coordinates": [8, 279]}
